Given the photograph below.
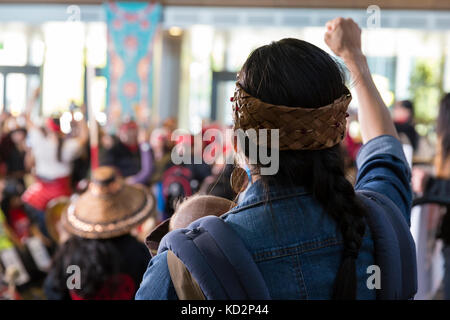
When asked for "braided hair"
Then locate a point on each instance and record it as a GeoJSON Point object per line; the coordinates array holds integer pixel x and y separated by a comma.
{"type": "Point", "coordinates": [292, 72]}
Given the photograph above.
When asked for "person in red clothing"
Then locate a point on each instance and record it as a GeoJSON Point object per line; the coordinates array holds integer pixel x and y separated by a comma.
{"type": "Point", "coordinates": [111, 261]}
{"type": "Point", "coordinates": [53, 155]}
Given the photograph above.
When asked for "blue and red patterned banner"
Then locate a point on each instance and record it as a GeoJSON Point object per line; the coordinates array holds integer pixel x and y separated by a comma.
{"type": "Point", "coordinates": [132, 27]}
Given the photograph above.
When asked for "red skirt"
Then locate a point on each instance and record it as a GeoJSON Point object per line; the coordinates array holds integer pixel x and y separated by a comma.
{"type": "Point", "coordinates": [125, 289]}
{"type": "Point", "coordinates": [40, 193]}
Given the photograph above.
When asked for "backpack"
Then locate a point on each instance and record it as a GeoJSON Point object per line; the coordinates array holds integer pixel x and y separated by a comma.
{"type": "Point", "coordinates": [208, 260]}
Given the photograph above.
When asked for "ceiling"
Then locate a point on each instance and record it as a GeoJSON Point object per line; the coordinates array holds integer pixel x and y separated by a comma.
{"type": "Point", "coordinates": [356, 4]}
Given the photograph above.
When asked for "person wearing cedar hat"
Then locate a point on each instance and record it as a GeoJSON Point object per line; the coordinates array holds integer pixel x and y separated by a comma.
{"type": "Point", "coordinates": [100, 222]}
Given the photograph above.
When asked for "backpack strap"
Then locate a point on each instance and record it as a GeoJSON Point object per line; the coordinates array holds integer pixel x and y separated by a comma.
{"type": "Point", "coordinates": [395, 251]}
{"type": "Point", "coordinates": [217, 259]}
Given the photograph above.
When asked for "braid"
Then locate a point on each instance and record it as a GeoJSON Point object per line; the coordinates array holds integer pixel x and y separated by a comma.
{"type": "Point", "coordinates": [337, 196]}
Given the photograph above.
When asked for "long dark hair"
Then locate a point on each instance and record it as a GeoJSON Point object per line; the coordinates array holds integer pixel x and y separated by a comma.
{"type": "Point", "coordinates": [98, 260]}
{"type": "Point", "coordinates": [443, 126]}
{"type": "Point", "coordinates": [296, 73]}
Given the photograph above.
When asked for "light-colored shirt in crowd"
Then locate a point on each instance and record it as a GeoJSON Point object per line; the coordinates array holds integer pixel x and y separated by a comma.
{"type": "Point", "coordinates": [45, 149]}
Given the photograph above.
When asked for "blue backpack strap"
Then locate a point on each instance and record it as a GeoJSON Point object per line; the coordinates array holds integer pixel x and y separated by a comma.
{"type": "Point", "coordinates": [217, 259]}
{"type": "Point", "coordinates": [395, 251]}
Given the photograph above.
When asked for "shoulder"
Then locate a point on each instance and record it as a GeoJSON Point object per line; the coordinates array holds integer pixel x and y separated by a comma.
{"type": "Point", "coordinates": [383, 168]}
{"type": "Point", "coordinates": [156, 283]}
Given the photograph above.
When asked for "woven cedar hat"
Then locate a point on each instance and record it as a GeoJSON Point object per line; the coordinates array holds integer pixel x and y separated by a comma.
{"type": "Point", "coordinates": [109, 208]}
{"type": "Point", "coordinates": [299, 128]}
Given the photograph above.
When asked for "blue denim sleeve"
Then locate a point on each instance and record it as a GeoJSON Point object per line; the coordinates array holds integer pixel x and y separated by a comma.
{"type": "Point", "coordinates": [382, 167]}
{"type": "Point", "coordinates": [156, 283]}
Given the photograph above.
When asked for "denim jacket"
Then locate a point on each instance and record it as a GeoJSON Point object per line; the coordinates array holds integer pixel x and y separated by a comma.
{"type": "Point", "coordinates": [295, 244]}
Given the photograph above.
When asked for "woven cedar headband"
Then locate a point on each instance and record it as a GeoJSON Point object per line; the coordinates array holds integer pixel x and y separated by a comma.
{"type": "Point", "coordinates": [299, 128]}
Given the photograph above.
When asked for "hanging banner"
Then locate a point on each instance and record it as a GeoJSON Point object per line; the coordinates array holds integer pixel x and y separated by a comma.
{"type": "Point", "coordinates": [132, 27]}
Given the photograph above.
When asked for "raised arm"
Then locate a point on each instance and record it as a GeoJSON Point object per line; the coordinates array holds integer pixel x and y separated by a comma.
{"type": "Point", "coordinates": [143, 176]}
{"type": "Point", "coordinates": [29, 108]}
{"type": "Point", "coordinates": [343, 36]}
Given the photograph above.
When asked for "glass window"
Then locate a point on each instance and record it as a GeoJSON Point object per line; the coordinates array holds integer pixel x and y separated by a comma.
{"type": "Point", "coordinates": [37, 52]}
{"type": "Point", "coordinates": [224, 105]}
{"type": "Point", "coordinates": [16, 88]}
{"type": "Point", "coordinates": [96, 44]}
{"type": "Point", "coordinates": [14, 45]}
{"type": "Point", "coordinates": [64, 65]}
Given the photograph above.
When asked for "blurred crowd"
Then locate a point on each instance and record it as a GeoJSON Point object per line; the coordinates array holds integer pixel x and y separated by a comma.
{"type": "Point", "coordinates": [42, 170]}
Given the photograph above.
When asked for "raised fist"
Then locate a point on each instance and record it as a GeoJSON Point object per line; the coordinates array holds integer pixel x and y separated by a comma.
{"type": "Point", "coordinates": [343, 36]}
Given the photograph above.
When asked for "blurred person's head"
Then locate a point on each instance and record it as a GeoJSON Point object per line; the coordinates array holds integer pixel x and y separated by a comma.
{"type": "Point", "coordinates": [183, 145]}
{"type": "Point", "coordinates": [170, 124]}
{"type": "Point", "coordinates": [128, 133]}
{"type": "Point", "coordinates": [107, 140]}
{"type": "Point", "coordinates": [10, 124]}
{"type": "Point", "coordinates": [53, 125]}
{"type": "Point", "coordinates": [443, 132]}
{"type": "Point", "coordinates": [159, 139]}
{"type": "Point", "coordinates": [11, 191]}
{"type": "Point", "coordinates": [403, 111]}
{"type": "Point", "coordinates": [292, 73]}
{"type": "Point", "coordinates": [18, 136]}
